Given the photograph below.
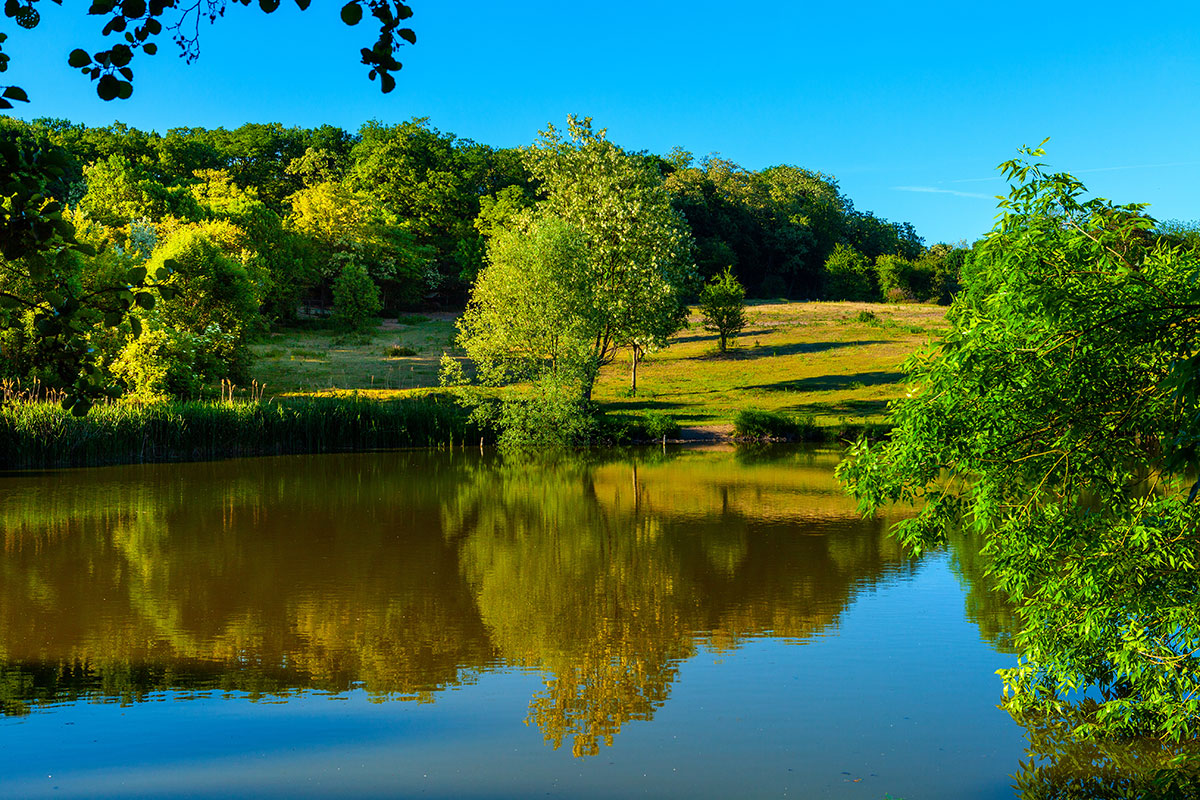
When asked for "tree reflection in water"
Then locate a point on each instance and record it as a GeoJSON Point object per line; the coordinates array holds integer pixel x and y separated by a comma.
{"type": "Point", "coordinates": [403, 574]}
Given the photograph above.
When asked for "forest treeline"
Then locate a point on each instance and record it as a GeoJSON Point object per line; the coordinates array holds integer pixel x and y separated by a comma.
{"type": "Point", "coordinates": [247, 227]}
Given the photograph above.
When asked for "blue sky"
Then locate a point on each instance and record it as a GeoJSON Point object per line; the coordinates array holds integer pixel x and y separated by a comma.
{"type": "Point", "coordinates": [910, 105]}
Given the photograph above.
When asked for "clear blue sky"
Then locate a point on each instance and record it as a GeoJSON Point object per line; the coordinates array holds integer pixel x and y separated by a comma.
{"type": "Point", "coordinates": [910, 105]}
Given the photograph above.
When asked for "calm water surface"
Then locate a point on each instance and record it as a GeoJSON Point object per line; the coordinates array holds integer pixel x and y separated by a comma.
{"type": "Point", "coordinates": [690, 624]}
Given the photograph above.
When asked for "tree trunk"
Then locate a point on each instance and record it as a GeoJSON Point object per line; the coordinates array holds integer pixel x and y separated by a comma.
{"type": "Point", "coordinates": [637, 356]}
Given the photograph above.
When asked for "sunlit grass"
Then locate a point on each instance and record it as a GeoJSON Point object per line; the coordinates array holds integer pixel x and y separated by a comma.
{"type": "Point", "coordinates": [323, 361]}
{"type": "Point", "coordinates": [838, 363]}
{"type": "Point", "coordinates": [828, 361]}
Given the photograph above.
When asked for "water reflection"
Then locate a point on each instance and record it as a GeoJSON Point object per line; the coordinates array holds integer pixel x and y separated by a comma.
{"type": "Point", "coordinates": [405, 574]}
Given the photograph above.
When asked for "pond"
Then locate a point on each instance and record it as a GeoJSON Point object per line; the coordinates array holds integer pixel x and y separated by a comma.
{"type": "Point", "coordinates": [690, 623]}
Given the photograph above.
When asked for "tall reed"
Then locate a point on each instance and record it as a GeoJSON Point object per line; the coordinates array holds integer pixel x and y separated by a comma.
{"type": "Point", "coordinates": [41, 434]}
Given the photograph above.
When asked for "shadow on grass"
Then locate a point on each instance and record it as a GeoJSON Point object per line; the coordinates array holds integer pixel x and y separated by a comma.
{"type": "Point", "coordinates": [847, 408]}
{"type": "Point", "coordinates": [793, 349]}
{"type": "Point", "coordinates": [639, 404]}
{"type": "Point", "coordinates": [832, 383]}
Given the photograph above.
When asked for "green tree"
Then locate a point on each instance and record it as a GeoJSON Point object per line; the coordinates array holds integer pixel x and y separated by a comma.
{"type": "Point", "coordinates": [849, 276]}
{"type": "Point", "coordinates": [1056, 419]}
{"type": "Point", "coordinates": [46, 299]}
{"type": "Point", "coordinates": [355, 298]}
{"type": "Point", "coordinates": [120, 191]}
{"type": "Point", "coordinates": [530, 313]}
{"type": "Point", "coordinates": [214, 296]}
{"type": "Point", "coordinates": [636, 246]}
{"type": "Point", "coordinates": [723, 307]}
{"type": "Point", "coordinates": [344, 224]}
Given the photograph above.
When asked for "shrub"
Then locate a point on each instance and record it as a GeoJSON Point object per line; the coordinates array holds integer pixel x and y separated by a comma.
{"type": "Point", "coordinates": [355, 298]}
{"type": "Point", "coordinates": [411, 319]}
{"type": "Point", "coordinates": [211, 290]}
{"type": "Point", "coordinates": [659, 425]}
{"type": "Point", "coordinates": [158, 365]}
{"type": "Point", "coordinates": [905, 281]}
{"type": "Point", "coordinates": [849, 276]}
{"type": "Point", "coordinates": [723, 307]}
{"type": "Point", "coordinates": [164, 363]}
{"type": "Point", "coordinates": [399, 351]}
{"type": "Point", "coordinates": [773, 425]}
{"type": "Point", "coordinates": [553, 415]}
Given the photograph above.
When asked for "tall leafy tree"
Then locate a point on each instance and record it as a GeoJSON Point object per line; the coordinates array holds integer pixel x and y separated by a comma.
{"type": "Point", "coordinates": [1058, 418]}
{"type": "Point", "coordinates": [637, 246]}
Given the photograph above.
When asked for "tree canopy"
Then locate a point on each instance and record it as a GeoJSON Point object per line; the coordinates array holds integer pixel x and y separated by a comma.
{"type": "Point", "coordinates": [599, 263]}
{"type": "Point", "coordinates": [1058, 418]}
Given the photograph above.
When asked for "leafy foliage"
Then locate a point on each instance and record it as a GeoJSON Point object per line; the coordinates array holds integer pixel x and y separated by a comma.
{"type": "Point", "coordinates": [214, 296]}
{"type": "Point", "coordinates": [530, 311]}
{"type": "Point", "coordinates": [1057, 418]}
{"type": "Point", "coordinates": [849, 276]}
{"type": "Point", "coordinates": [355, 298]}
{"type": "Point", "coordinates": [636, 247]}
{"type": "Point", "coordinates": [141, 21]}
{"type": "Point", "coordinates": [723, 307]}
{"type": "Point", "coordinates": [46, 295]}
{"type": "Point", "coordinates": [773, 426]}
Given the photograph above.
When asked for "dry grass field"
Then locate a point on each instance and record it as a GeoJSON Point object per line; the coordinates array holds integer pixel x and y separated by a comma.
{"type": "Point", "coordinates": [838, 362]}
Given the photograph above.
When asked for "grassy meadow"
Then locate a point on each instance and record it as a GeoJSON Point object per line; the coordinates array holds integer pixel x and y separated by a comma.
{"type": "Point", "coordinates": [838, 362]}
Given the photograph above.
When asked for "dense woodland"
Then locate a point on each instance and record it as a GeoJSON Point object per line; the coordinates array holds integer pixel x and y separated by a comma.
{"type": "Point", "coordinates": [262, 224]}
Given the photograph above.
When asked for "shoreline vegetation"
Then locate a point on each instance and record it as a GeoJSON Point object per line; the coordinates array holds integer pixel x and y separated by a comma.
{"type": "Point", "coordinates": [813, 372]}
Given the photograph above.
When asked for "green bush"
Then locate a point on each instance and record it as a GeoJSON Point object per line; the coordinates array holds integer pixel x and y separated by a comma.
{"type": "Point", "coordinates": [849, 276]}
{"type": "Point", "coordinates": [158, 365]}
{"type": "Point", "coordinates": [773, 425]}
{"type": "Point", "coordinates": [553, 416]}
{"type": "Point", "coordinates": [213, 293]}
{"type": "Point", "coordinates": [399, 351]}
{"type": "Point", "coordinates": [659, 424]}
{"type": "Point", "coordinates": [723, 307]}
{"type": "Point", "coordinates": [356, 302]}
{"type": "Point", "coordinates": [164, 363]}
{"type": "Point", "coordinates": [411, 319]}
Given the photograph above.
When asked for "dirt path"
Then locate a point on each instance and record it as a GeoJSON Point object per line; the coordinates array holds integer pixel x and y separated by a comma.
{"type": "Point", "coordinates": [718, 432]}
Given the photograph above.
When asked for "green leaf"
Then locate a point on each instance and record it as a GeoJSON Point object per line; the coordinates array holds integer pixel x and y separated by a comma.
{"type": "Point", "coordinates": [352, 13]}
{"type": "Point", "coordinates": [145, 300]}
{"type": "Point", "coordinates": [16, 93]}
{"type": "Point", "coordinates": [108, 87]}
{"type": "Point", "coordinates": [120, 55]}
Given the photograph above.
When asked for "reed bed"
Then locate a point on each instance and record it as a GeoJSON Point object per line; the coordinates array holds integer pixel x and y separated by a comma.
{"type": "Point", "coordinates": [36, 434]}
